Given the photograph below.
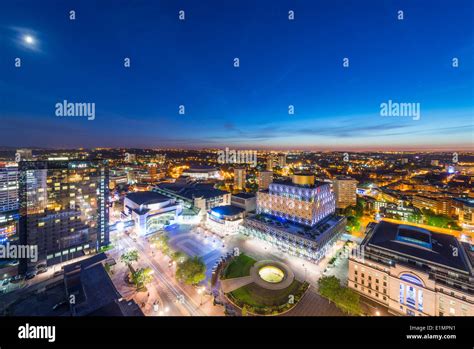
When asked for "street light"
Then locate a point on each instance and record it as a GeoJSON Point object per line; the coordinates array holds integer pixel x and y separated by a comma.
{"type": "Point", "coordinates": [200, 291]}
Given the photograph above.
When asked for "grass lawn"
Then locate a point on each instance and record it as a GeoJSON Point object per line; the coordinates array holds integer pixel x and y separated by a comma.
{"type": "Point", "coordinates": [257, 296]}
{"type": "Point", "coordinates": [239, 267]}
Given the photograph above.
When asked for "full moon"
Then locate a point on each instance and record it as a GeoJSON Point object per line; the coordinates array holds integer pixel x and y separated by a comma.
{"type": "Point", "coordinates": [29, 39]}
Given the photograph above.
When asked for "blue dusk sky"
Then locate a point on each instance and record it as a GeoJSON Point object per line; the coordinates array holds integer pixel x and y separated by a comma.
{"type": "Point", "coordinates": [282, 63]}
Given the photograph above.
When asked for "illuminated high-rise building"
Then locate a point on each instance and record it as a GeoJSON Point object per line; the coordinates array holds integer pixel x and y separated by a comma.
{"type": "Point", "coordinates": [8, 187]}
{"type": "Point", "coordinates": [63, 208]}
{"type": "Point", "coordinates": [270, 163]}
{"type": "Point", "coordinates": [345, 190]}
{"type": "Point", "coordinates": [24, 154]}
{"type": "Point", "coordinates": [8, 202]}
{"type": "Point", "coordinates": [265, 178]}
{"type": "Point", "coordinates": [282, 160]}
{"type": "Point", "coordinates": [240, 175]}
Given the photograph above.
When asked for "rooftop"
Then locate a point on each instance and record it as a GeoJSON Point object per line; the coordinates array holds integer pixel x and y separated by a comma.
{"type": "Point", "coordinates": [147, 197]}
{"type": "Point", "coordinates": [201, 169]}
{"type": "Point", "coordinates": [193, 190]}
{"type": "Point", "coordinates": [420, 243]}
{"type": "Point", "coordinates": [311, 233]}
{"type": "Point", "coordinates": [465, 201]}
{"type": "Point", "coordinates": [290, 183]}
{"type": "Point", "coordinates": [227, 210]}
{"type": "Point", "coordinates": [244, 195]}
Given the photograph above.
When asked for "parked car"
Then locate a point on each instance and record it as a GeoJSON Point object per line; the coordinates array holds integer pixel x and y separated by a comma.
{"type": "Point", "coordinates": [5, 282]}
{"type": "Point", "coordinates": [17, 279]}
{"type": "Point", "coordinates": [58, 273]}
{"type": "Point", "coordinates": [30, 275]}
{"type": "Point", "coordinates": [41, 266]}
{"type": "Point", "coordinates": [42, 270]}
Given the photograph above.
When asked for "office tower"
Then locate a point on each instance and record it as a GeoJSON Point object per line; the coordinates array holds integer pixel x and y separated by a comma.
{"type": "Point", "coordinates": [265, 178]}
{"type": "Point", "coordinates": [282, 160]}
{"type": "Point", "coordinates": [130, 158]}
{"type": "Point", "coordinates": [270, 163]}
{"type": "Point", "coordinates": [63, 209]}
{"type": "Point", "coordinates": [345, 189]}
{"type": "Point", "coordinates": [239, 178]}
{"type": "Point", "coordinates": [152, 172]}
{"type": "Point", "coordinates": [8, 187]}
{"type": "Point", "coordinates": [24, 154]}
{"type": "Point", "coordinates": [8, 202]}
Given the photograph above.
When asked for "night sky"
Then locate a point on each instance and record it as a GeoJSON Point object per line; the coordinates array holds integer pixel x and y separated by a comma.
{"type": "Point", "coordinates": [282, 63]}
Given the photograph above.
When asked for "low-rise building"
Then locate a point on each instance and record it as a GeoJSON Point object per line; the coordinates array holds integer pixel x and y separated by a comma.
{"type": "Point", "coordinates": [150, 211]}
{"type": "Point", "coordinates": [194, 195]}
{"type": "Point", "coordinates": [414, 271]}
{"type": "Point", "coordinates": [225, 220]}
{"type": "Point", "coordinates": [246, 201]}
{"type": "Point", "coordinates": [464, 210]}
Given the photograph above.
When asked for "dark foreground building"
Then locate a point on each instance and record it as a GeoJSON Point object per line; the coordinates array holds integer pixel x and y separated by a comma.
{"type": "Point", "coordinates": [85, 289]}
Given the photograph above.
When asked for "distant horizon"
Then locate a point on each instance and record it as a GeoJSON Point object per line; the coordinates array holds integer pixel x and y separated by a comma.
{"type": "Point", "coordinates": [418, 150]}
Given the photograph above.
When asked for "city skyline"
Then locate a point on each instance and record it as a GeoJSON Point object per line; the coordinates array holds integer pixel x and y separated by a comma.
{"type": "Point", "coordinates": [282, 63]}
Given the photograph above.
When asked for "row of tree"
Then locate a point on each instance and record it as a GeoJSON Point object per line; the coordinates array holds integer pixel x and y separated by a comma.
{"type": "Point", "coordinates": [345, 299]}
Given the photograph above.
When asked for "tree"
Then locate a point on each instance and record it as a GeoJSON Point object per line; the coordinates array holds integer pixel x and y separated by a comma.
{"type": "Point", "coordinates": [439, 220]}
{"type": "Point", "coordinates": [344, 298]}
{"type": "Point", "coordinates": [192, 271]}
{"type": "Point", "coordinates": [353, 223]}
{"type": "Point", "coordinates": [162, 243]}
{"type": "Point", "coordinates": [329, 287]}
{"type": "Point", "coordinates": [141, 277]}
{"type": "Point", "coordinates": [178, 256]}
{"type": "Point", "coordinates": [414, 217]}
{"type": "Point", "coordinates": [129, 257]}
{"type": "Point", "coordinates": [244, 311]}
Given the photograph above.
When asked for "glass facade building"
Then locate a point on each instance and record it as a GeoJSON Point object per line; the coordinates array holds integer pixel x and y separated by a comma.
{"type": "Point", "coordinates": [63, 208]}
